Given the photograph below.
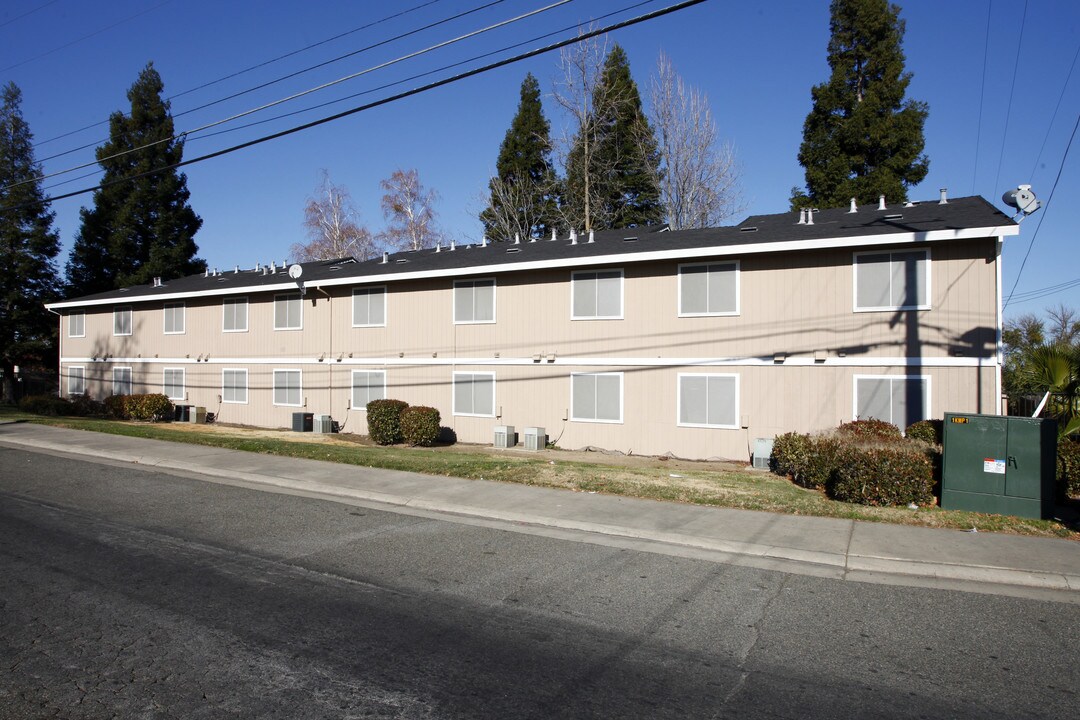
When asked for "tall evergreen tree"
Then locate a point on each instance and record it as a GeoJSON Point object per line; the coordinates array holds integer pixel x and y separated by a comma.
{"type": "Point", "coordinates": [28, 247]}
{"type": "Point", "coordinates": [620, 174]}
{"type": "Point", "coordinates": [143, 227]}
{"type": "Point", "coordinates": [862, 139]}
{"type": "Point", "coordinates": [522, 192]}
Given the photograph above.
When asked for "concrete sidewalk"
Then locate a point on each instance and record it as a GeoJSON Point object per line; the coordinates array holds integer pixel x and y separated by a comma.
{"type": "Point", "coordinates": [828, 547]}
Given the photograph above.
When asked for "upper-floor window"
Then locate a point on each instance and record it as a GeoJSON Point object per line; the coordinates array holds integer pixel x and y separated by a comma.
{"type": "Point", "coordinates": [893, 280]}
{"type": "Point", "coordinates": [367, 385]}
{"type": "Point", "coordinates": [709, 400]}
{"type": "Point", "coordinates": [174, 318]}
{"type": "Point", "coordinates": [369, 307]}
{"type": "Point", "coordinates": [76, 380]}
{"type": "Point", "coordinates": [288, 312]}
{"type": "Point", "coordinates": [709, 289]}
{"type": "Point", "coordinates": [77, 324]}
{"type": "Point", "coordinates": [234, 312]}
{"type": "Point", "coordinates": [173, 383]}
{"type": "Point", "coordinates": [596, 397]}
{"type": "Point", "coordinates": [474, 301]}
{"type": "Point", "coordinates": [288, 388]}
{"type": "Point", "coordinates": [596, 295]}
{"type": "Point", "coordinates": [234, 384]}
{"type": "Point", "coordinates": [121, 381]}
{"type": "Point", "coordinates": [474, 394]}
{"type": "Point", "coordinates": [898, 399]}
{"type": "Point", "coordinates": [121, 320]}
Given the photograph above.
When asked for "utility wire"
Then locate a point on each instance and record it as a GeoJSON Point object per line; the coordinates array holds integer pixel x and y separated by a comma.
{"type": "Point", "coordinates": [28, 12]}
{"type": "Point", "coordinates": [287, 77]}
{"type": "Point", "coordinates": [1012, 90]}
{"type": "Point", "coordinates": [295, 96]}
{"type": "Point", "coordinates": [1046, 207]}
{"type": "Point", "coordinates": [84, 37]}
{"type": "Point", "coordinates": [1045, 292]}
{"type": "Point", "coordinates": [377, 103]}
{"type": "Point", "coordinates": [982, 95]}
{"type": "Point", "coordinates": [1054, 116]}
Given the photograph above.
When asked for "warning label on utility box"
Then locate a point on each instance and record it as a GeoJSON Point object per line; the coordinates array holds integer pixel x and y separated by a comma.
{"type": "Point", "coordinates": [992, 465]}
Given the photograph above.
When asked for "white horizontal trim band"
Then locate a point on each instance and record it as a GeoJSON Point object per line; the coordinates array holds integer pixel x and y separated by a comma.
{"type": "Point", "coordinates": [990, 361]}
{"type": "Point", "coordinates": [714, 251]}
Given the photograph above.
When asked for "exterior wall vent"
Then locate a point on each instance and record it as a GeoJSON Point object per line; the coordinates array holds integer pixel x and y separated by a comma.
{"type": "Point", "coordinates": [513, 250]}
{"type": "Point", "coordinates": [402, 261]}
{"type": "Point", "coordinates": [629, 239]}
{"type": "Point", "coordinates": [505, 437]}
{"type": "Point", "coordinates": [748, 229]}
{"type": "Point", "coordinates": [895, 216]}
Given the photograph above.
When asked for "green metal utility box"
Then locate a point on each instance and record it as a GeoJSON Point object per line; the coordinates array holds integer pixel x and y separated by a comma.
{"type": "Point", "coordinates": [996, 464]}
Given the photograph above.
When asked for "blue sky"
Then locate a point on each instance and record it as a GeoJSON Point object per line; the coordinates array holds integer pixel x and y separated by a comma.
{"type": "Point", "coordinates": [75, 59]}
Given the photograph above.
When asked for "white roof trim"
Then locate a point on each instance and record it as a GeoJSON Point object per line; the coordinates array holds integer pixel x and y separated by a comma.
{"type": "Point", "coordinates": [712, 251]}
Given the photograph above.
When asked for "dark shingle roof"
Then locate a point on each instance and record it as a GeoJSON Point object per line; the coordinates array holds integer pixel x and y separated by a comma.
{"type": "Point", "coordinates": [758, 230]}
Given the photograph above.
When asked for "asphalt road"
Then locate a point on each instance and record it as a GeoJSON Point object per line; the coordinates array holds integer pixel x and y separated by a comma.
{"type": "Point", "coordinates": [131, 593]}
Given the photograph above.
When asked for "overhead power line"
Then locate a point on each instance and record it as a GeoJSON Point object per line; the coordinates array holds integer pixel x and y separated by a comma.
{"type": "Point", "coordinates": [432, 48]}
{"type": "Point", "coordinates": [384, 101]}
{"type": "Point", "coordinates": [28, 12]}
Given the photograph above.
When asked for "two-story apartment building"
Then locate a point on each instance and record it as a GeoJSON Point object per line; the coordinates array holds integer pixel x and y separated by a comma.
{"type": "Point", "coordinates": [691, 342]}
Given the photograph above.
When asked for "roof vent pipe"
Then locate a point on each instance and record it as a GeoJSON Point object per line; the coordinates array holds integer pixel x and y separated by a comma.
{"type": "Point", "coordinates": [453, 244]}
{"type": "Point", "coordinates": [517, 238]}
{"type": "Point", "coordinates": [157, 281]}
{"type": "Point", "coordinates": [532, 239]}
{"type": "Point", "coordinates": [273, 267]}
{"type": "Point", "coordinates": [944, 197]}
{"type": "Point", "coordinates": [591, 239]}
{"type": "Point", "coordinates": [385, 257]}
{"type": "Point", "coordinates": [206, 272]}
{"type": "Point", "coordinates": [258, 267]}
{"type": "Point", "coordinates": [554, 235]}
{"type": "Point", "coordinates": [573, 237]}
{"type": "Point", "coordinates": [809, 216]}
{"type": "Point", "coordinates": [802, 216]}
{"type": "Point", "coordinates": [236, 270]}
{"type": "Point", "coordinates": [854, 207]}
{"type": "Point", "coordinates": [881, 202]}
{"type": "Point", "coordinates": [483, 241]}
{"type": "Point", "coordinates": [438, 247]}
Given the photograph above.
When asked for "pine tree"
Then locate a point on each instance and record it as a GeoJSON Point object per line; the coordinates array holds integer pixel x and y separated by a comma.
{"type": "Point", "coordinates": [619, 175]}
{"type": "Point", "coordinates": [522, 192]}
{"type": "Point", "coordinates": [144, 227]}
{"type": "Point", "coordinates": [862, 139]}
{"type": "Point", "coordinates": [28, 248]}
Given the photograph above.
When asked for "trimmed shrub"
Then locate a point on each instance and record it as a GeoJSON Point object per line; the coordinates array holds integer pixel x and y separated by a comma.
{"type": "Point", "coordinates": [883, 475]}
{"type": "Point", "coordinates": [45, 405]}
{"type": "Point", "coordinates": [420, 425]}
{"type": "Point", "coordinates": [809, 460]}
{"type": "Point", "coordinates": [154, 407]}
{"type": "Point", "coordinates": [873, 430]}
{"type": "Point", "coordinates": [85, 406]}
{"type": "Point", "coordinates": [929, 431]}
{"type": "Point", "coordinates": [116, 406]}
{"type": "Point", "coordinates": [384, 421]}
{"type": "Point", "coordinates": [1068, 467]}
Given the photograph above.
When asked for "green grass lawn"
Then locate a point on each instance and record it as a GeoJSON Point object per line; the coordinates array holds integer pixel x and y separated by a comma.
{"type": "Point", "coordinates": [637, 477]}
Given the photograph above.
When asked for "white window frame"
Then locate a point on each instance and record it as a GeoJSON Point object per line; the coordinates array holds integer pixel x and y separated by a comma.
{"type": "Point", "coordinates": [622, 399]}
{"type": "Point", "coordinates": [494, 396]}
{"type": "Point", "coordinates": [927, 397]}
{"type": "Point", "coordinates": [183, 383]}
{"type": "Point", "coordinates": [76, 384]}
{"type": "Point", "coordinates": [574, 290]}
{"type": "Point", "coordinates": [234, 301]}
{"type": "Point", "coordinates": [82, 324]}
{"type": "Point", "coordinates": [352, 388]}
{"type": "Point", "coordinates": [369, 291]}
{"type": "Point", "coordinates": [678, 401]}
{"type": "Point", "coordinates": [118, 312]}
{"type": "Point", "coordinates": [165, 318]}
{"type": "Point", "coordinates": [225, 386]}
{"type": "Point", "coordinates": [289, 296]}
{"type": "Point", "coordinates": [473, 283]}
{"type": "Point", "coordinates": [120, 381]}
{"type": "Point", "coordinates": [300, 388]}
{"type": "Point", "coordinates": [738, 289]}
{"type": "Point", "coordinates": [888, 308]}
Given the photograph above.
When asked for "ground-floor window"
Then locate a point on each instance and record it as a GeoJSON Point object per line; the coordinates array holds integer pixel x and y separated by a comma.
{"type": "Point", "coordinates": [367, 385]}
{"type": "Point", "coordinates": [288, 388]}
{"type": "Point", "coordinates": [234, 385]}
{"type": "Point", "coordinates": [121, 381]}
{"type": "Point", "coordinates": [76, 380]}
{"type": "Point", "coordinates": [709, 401]}
{"type": "Point", "coordinates": [900, 400]}
{"type": "Point", "coordinates": [596, 397]}
{"type": "Point", "coordinates": [474, 394]}
{"type": "Point", "coordinates": [173, 383]}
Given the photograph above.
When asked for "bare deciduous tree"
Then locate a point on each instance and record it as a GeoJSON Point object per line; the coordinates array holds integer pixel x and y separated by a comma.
{"type": "Point", "coordinates": [699, 181]}
{"type": "Point", "coordinates": [333, 226]}
{"type": "Point", "coordinates": [517, 208]}
{"type": "Point", "coordinates": [409, 210]}
{"type": "Point", "coordinates": [1064, 324]}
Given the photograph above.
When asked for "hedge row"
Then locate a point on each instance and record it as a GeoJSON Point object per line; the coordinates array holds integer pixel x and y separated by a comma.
{"type": "Point", "coordinates": [1068, 467]}
{"type": "Point", "coordinates": [394, 421]}
{"type": "Point", "coordinates": [152, 407]}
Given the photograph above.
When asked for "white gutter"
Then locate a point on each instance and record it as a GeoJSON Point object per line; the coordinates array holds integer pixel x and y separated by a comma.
{"type": "Point", "coordinates": [579, 262]}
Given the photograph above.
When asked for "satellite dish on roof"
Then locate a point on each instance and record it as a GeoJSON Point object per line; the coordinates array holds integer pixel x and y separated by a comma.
{"type": "Point", "coordinates": [295, 271]}
{"type": "Point", "coordinates": [1022, 198]}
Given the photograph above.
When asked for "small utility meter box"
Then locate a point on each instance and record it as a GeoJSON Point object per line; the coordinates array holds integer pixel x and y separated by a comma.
{"type": "Point", "coordinates": [996, 464]}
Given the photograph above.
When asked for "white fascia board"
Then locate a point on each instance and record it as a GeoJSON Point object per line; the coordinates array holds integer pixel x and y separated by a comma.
{"type": "Point", "coordinates": [942, 362]}
{"type": "Point", "coordinates": [712, 251]}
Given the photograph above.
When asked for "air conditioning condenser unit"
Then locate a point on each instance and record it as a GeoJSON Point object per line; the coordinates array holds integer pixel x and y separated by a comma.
{"type": "Point", "coordinates": [505, 437]}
